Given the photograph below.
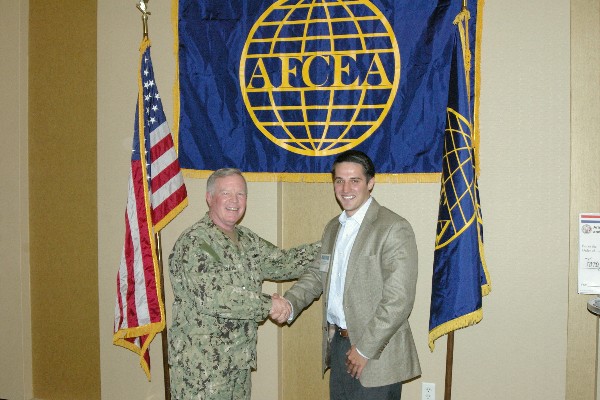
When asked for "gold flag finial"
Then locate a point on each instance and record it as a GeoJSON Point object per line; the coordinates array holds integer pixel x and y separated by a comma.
{"type": "Point", "coordinates": [143, 7]}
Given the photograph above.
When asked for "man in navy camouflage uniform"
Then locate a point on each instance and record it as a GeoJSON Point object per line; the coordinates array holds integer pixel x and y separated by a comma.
{"type": "Point", "coordinates": [217, 268]}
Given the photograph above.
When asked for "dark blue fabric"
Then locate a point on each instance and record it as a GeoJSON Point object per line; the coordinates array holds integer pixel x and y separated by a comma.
{"type": "Point", "coordinates": [216, 128]}
{"type": "Point", "coordinates": [458, 268]}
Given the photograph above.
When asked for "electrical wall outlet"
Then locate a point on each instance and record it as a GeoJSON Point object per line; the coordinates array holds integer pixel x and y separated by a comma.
{"type": "Point", "coordinates": [428, 391]}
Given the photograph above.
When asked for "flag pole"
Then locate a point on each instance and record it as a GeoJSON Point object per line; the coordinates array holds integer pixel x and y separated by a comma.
{"type": "Point", "coordinates": [449, 363]}
{"type": "Point", "coordinates": [163, 335]}
{"type": "Point", "coordinates": [450, 338]}
{"type": "Point", "coordinates": [142, 6]}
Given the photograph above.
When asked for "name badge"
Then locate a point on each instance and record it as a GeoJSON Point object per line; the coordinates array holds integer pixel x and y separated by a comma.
{"type": "Point", "coordinates": [324, 264]}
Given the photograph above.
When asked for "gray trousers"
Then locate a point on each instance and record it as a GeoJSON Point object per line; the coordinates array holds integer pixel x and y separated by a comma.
{"type": "Point", "coordinates": [343, 387]}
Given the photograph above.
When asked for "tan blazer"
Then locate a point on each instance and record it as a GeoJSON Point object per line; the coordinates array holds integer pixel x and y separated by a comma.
{"type": "Point", "coordinates": [379, 294]}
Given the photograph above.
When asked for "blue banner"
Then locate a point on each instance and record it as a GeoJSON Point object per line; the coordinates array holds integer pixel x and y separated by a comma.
{"type": "Point", "coordinates": [283, 87]}
{"type": "Point", "coordinates": [460, 276]}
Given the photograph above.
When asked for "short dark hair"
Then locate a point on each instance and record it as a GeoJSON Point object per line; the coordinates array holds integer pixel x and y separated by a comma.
{"type": "Point", "coordinates": [357, 157]}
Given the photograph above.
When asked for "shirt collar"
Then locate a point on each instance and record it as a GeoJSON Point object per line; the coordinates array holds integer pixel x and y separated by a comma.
{"type": "Point", "coordinates": [359, 215]}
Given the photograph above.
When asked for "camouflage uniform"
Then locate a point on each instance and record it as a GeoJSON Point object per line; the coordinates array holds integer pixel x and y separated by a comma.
{"type": "Point", "coordinates": [218, 305]}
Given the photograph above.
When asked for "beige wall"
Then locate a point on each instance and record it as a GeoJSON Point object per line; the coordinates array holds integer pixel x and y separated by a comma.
{"type": "Point", "coordinates": [532, 328]}
{"type": "Point", "coordinates": [585, 187]}
{"type": "Point", "coordinates": [525, 199]}
{"type": "Point", "coordinates": [15, 312]}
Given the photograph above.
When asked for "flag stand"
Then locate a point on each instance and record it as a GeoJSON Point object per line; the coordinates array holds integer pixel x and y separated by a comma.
{"type": "Point", "coordinates": [449, 362]}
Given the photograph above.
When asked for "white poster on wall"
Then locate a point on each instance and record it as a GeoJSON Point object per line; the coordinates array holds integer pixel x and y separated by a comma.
{"type": "Point", "coordinates": [589, 253]}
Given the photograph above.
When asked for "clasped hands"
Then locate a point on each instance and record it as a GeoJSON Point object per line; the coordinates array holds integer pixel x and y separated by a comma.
{"type": "Point", "coordinates": [280, 312]}
{"type": "Point", "coordinates": [280, 309]}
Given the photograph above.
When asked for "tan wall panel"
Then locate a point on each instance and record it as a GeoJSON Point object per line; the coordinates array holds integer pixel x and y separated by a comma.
{"type": "Point", "coordinates": [306, 209]}
{"type": "Point", "coordinates": [582, 348]}
{"type": "Point", "coordinates": [62, 177]}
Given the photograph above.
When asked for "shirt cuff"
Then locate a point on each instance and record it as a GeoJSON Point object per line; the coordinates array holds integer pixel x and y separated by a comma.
{"type": "Point", "coordinates": [358, 351]}
{"type": "Point", "coordinates": [291, 318]}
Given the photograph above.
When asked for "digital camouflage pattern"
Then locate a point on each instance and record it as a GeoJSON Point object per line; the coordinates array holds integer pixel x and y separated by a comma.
{"type": "Point", "coordinates": [218, 305]}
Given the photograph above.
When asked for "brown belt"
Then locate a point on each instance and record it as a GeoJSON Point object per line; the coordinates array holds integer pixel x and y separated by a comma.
{"type": "Point", "coordinates": [343, 332]}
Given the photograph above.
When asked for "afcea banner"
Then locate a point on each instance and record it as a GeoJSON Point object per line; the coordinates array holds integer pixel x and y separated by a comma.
{"type": "Point", "coordinates": [280, 88]}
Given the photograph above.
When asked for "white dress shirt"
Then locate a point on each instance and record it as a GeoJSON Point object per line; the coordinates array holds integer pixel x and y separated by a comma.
{"type": "Point", "coordinates": [343, 246]}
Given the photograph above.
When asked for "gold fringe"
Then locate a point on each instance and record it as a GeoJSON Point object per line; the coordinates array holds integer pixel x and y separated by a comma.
{"type": "Point", "coordinates": [171, 215]}
{"type": "Point", "coordinates": [145, 43]}
{"type": "Point", "coordinates": [151, 330]}
{"type": "Point", "coordinates": [176, 104]}
{"type": "Point", "coordinates": [433, 177]}
{"type": "Point", "coordinates": [461, 18]}
{"type": "Point", "coordinates": [462, 23]}
{"type": "Point", "coordinates": [487, 288]}
{"type": "Point", "coordinates": [452, 325]}
{"type": "Point", "coordinates": [478, 38]}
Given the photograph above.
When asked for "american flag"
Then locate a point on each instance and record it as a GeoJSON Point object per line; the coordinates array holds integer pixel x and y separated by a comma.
{"type": "Point", "coordinates": [156, 195]}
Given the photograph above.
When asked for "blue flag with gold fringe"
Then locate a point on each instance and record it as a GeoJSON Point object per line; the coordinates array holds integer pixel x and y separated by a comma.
{"type": "Point", "coordinates": [279, 88]}
{"type": "Point", "coordinates": [460, 276]}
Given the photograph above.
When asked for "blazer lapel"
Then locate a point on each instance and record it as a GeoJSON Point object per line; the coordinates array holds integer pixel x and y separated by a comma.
{"type": "Point", "coordinates": [331, 237]}
{"type": "Point", "coordinates": [362, 237]}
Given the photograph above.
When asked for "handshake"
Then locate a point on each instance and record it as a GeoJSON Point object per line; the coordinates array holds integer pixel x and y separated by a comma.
{"type": "Point", "coordinates": [281, 309]}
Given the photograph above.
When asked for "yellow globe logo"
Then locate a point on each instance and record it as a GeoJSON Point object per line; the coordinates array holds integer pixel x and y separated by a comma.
{"type": "Point", "coordinates": [319, 78]}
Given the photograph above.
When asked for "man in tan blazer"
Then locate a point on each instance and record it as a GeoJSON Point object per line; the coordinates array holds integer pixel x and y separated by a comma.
{"type": "Point", "coordinates": [368, 274]}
